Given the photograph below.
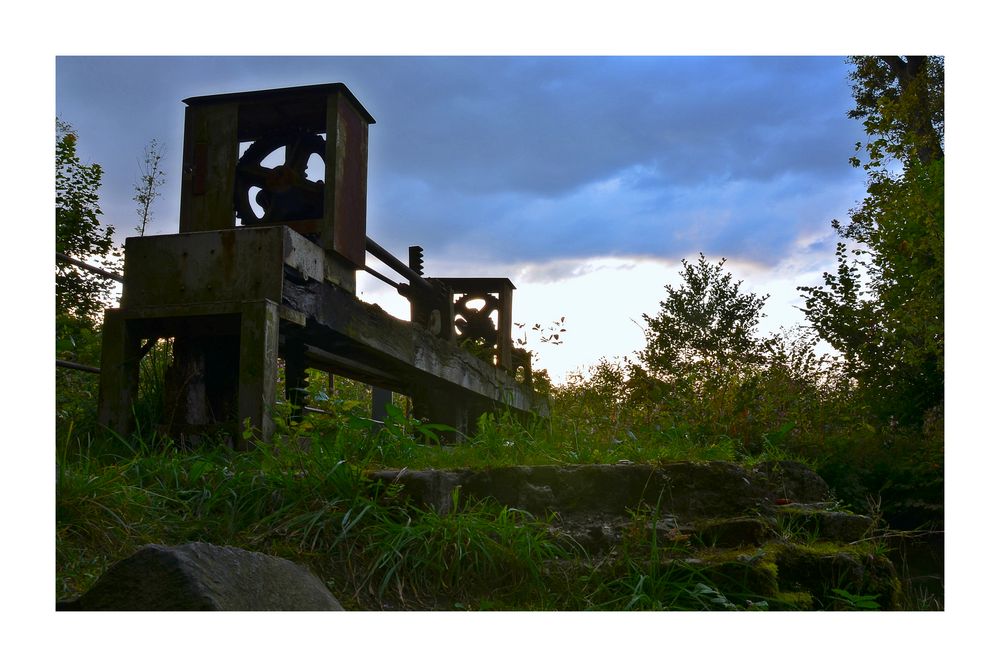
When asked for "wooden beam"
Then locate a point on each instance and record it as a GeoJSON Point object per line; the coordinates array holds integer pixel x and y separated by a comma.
{"type": "Point", "coordinates": [410, 355]}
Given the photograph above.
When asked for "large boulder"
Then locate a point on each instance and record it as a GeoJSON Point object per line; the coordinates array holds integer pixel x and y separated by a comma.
{"type": "Point", "coordinates": [204, 577]}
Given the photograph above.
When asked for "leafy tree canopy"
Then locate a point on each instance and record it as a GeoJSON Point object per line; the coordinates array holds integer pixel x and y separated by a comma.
{"type": "Point", "coordinates": [706, 322]}
{"type": "Point", "coordinates": [900, 100]}
{"type": "Point", "coordinates": [884, 307]}
{"type": "Point", "coordinates": [79, 233]}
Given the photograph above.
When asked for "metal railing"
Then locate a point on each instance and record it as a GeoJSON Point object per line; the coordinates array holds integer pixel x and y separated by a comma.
{"type": "Point", "coordinates": [396, 265]}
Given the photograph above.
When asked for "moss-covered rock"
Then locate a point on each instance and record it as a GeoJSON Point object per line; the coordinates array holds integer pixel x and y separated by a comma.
{"type": "Point", "coordinates": [793, 481]}
{"type": "Point", "coordinates": [734, 532]}
{"type": "Point", "coordinates": [822, 567]}
{"type": "Point", "coordinates": [792, 601]}
{"type": "Point", "coordinates": [681, 535]}
{"type": "Point", "coordinates": [820, 523]}
{"type": "Point", "coordinates": [741, 573]}
{"type": "Point", "coordinates": [685, 489]}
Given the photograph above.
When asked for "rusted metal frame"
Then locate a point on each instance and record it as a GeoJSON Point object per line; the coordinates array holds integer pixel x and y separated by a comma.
{"type": "Point", "coordinates": [521, 358]}
{"type": "Point", "coordinates": [349, 335]}
{"type": "Point", "coordinates": [430, 300]}
{"type": "Point", "coordinates": [346, 173]}
{"type": "Point", "coordinates": [216, 124]}
{"type": "Point", "coordinates": [210, 153]}
{"type": "Point", "coordinates": [504, 289]}
{"type": "Point", "coordinates": [505, 323]}
{"type": "Point", "coordinates": [297, 101]}
{"type": "Point", "coordinates": [87, 267]}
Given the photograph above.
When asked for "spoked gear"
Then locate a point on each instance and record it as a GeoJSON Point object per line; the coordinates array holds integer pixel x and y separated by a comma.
{"type": "Point", "coordinates": [286, 193]}
{"type": "Point", "coordinates": [475, 323]}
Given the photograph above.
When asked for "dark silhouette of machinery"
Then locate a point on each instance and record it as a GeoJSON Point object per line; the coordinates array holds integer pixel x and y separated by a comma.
{"type": "Point", "coordinates": [263, 268]}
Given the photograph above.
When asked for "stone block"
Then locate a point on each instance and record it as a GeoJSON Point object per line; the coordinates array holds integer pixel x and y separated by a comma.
{"type": "Point", "coordinates": [204, 577]}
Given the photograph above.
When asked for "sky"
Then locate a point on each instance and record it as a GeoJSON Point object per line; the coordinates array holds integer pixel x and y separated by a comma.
{"type": "Point", "coordinates": [585, 180]}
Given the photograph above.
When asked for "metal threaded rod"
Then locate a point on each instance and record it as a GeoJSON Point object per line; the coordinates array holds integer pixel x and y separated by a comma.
{"type": "Point", "coordinates": [396, 265]}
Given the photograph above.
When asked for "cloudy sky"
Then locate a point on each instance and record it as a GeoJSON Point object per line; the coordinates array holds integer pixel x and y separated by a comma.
{"type": "Point", "coordinates": [584, 179]}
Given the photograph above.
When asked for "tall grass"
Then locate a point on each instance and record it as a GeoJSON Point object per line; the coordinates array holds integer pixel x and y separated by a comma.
{"type": "Point", "coordinates": [373, 547]}
{"type": "Point", "coordinates": [309, 505]}
{"type": "Point", "coordinates": [306, 495]}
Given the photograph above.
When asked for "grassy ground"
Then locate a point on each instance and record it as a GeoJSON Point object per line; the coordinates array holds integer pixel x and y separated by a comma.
{"type": "Point", "coordinates": [315, 505]}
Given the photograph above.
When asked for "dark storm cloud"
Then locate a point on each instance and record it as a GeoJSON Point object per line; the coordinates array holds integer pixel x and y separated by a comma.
{"type": "Point", "coordinates": [530, 159]}
{"type": "Point", "coordinates": [571, 158]}
{"type": "Point", "coordinates": [547, 126]}
{"type": "Point", "coordinates": [755, 221]}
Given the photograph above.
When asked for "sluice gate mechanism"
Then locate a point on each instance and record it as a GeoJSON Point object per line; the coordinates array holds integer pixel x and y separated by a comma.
{"type": "Point", "coordinates": [263, 269]}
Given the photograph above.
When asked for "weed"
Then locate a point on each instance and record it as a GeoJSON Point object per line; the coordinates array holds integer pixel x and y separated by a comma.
{"type": "Point", "coordinates": [855, 601]}
{"type": "Point", "coordinates": [796, 527]}
{"type": "Point", "coordinates": [421, 554]}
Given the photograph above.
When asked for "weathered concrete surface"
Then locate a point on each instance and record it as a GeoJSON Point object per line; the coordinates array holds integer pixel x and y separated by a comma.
{"type": "Point", "coordinates": [802, 568]}
{"type": "Point", "coordinates": [735, 532]}
{"type": "Point", "coordinates": [204, 577]}
{"type": "Point", "coordinates": [718, 504]}
{"type": "Point", "coordinates": [770, 529]}
{"type": "Point", "coordinates": [684, 490]}
{"type": "Point", "coordinates": [824, 522]}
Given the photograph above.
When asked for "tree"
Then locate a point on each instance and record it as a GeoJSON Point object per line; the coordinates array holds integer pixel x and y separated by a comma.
{"type": "Point", "coordinates": [709, 373]}
{"type": "Point", "coordinates": [901, 103]}
{"type": "Point", "coordinates": [707, 323]}
{"type": "Point", "coordinates": [147, 187]}
{"type": "Point", "coordinates": [79, 232]}
{"type": "Point", "coordinates": [884, 307]}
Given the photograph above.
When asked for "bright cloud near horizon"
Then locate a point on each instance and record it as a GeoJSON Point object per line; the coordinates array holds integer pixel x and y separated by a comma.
{"type": "Point", "coordinates": [586, 180]}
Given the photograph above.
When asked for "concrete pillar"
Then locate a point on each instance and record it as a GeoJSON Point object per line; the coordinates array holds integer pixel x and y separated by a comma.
{"type": "Point", "coordinates": [380, 398]}
{"type": "Point", "coordinates": [296, 378]}
{"type": "Point", "coordinates": [258, 368]}
{"type": "Point", "coordinates": [119, 384]}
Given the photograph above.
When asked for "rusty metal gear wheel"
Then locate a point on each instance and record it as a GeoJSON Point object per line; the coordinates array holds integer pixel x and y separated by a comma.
{"type": "Point", "coordinates": [476, 323]}
{"type": "Point", "coordinates": [285, 192]}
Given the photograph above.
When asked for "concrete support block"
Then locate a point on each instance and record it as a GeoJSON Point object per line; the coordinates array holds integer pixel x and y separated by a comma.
{"type": "Point", "coordinates": [258, 367]}
{"type": "Point", "coordinates": [119, 384]}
